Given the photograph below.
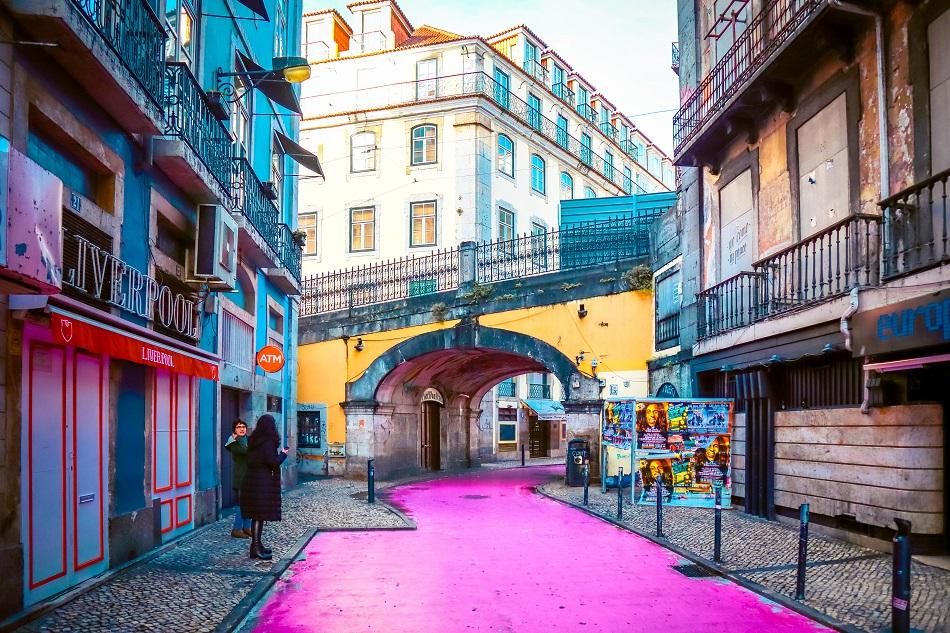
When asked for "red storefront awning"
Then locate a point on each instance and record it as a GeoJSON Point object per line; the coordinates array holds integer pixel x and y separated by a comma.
{"type": "Point", "coordinates": [69, 330]}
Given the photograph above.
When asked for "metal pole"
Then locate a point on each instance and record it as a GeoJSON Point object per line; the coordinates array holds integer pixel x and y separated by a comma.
{"type": "Point", "coordinates": [620, 493]}
{"type": "Point", "coordinates": [371, 481]}
{"type": "Point", "coordinates": [900, 596]}
{"type": "Point", "coordinates": [522, 454]}
{"type": "Point", "coordinates": [717, 535]}
{"type": "Point", "coordinates": [586, 479]}
{"type": "Point", "coordinates": [659, 506]}
{"type": "Point", "coordinates": [802, 551]}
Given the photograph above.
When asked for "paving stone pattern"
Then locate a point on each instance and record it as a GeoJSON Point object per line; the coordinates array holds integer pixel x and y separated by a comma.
{"type": "Point", "coordinates": [846, 581]}
{"type": "Point", "coordinates": [194, 585]}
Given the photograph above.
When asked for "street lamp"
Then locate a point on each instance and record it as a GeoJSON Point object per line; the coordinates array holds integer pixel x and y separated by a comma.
{"type": "Point", "coordinates": [292, 70]}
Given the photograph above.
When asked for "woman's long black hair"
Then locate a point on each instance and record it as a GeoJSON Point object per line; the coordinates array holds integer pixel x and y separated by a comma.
{"type": "Point", "coordinates": [266, 428]}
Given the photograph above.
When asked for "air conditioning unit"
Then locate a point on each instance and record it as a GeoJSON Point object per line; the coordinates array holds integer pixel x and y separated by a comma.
{"type": "Point", "coordinates": [31, 226]}
{"type": "Point", "coordinates": [215, 256]}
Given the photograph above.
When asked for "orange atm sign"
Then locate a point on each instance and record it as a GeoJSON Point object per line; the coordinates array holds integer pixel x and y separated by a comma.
{"type": "Point", "coordinates": [270, 358]}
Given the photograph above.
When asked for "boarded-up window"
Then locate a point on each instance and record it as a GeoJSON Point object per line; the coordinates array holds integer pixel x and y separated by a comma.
{"type": "Point", "coordinates": [735, 211]}
{"type": "Point", "coordinates": [823, 192]}
{"type": "Point", "coordinates": [938, 39]}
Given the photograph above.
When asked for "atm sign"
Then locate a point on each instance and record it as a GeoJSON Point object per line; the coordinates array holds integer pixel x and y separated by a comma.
{"type": "Point", "coordinates": [270, 358]}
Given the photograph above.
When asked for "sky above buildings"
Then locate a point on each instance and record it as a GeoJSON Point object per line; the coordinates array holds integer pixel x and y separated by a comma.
{"type": "Point", "coordinates": [621, 46]}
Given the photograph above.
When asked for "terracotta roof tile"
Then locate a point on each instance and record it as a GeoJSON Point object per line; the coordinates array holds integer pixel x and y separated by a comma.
{"type": "Point", "coordinates": [425, 35]}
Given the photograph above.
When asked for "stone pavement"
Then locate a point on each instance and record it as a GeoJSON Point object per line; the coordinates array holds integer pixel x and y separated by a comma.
{"type": "Point", "coordinates": [194, 585]}
{"type": "Point", "coordinates": [845, 581]}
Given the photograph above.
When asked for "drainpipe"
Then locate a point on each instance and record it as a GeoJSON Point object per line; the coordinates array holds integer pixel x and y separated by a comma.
{"type": "Point", "coordinates": [881, 88]}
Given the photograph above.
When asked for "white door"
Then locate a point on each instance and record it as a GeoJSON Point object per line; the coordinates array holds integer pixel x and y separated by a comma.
{"type": "Point", "coordinates": [173, 414]}
{"type": "Point", "coordinates": [63, 464]}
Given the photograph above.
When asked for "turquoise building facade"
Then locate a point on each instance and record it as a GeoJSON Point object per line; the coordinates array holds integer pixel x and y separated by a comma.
{"type": "Point", "coordinates": [148, 153]}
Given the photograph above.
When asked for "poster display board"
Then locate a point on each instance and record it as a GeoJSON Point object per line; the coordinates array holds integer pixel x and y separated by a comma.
{"type": "Point", "coordinates": [687, 441]}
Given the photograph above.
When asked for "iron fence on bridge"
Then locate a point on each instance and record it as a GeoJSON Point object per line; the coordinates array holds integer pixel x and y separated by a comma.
{"type": "Point", "coordinates": [580, 246]}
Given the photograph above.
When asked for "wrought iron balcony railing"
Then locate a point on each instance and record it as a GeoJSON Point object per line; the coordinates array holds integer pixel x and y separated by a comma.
{"type": "Point", "coordinates": [774, 25]}
{"type": "Point", "coordinates": [610, 131]}
{"type": "Point", "coordinates": [576, 247]}
{"type": "Point", "coordinates": [565, 94]}
{"type": "Point", "coordinates": [630, 149]}
{"type": "Point", "coordinates": [729, 304]}
{"type": "Point", "coordinates": [250, 199]}
{"type": "Point", "coordinates": [289, 252]}
{"type": "Point", "coordinates": [667, 331]}
{"type": "Point", "coordinates": [675, 58]}
{"type": "Point", "coordinates": [820, 267]}
{"type": "Point", "coordinates": [916, 227]}
{"type": "Point", "coordinates": [133, 32]}
{"type": "Point", "coordinates": [539, 391]}
{"type": "Point", "coordinates": [507, 389]}
{"type": "Point", "coordinates": [536, 69]}
{"type": "Point", "coordinates": [586, 111]}
{"type": "Point", "coordinates": [188, 117]}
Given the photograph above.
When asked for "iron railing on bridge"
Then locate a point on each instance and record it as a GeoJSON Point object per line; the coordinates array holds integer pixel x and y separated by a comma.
{"type": "Point", "coordinates": [134, 33]}
{"type": "Point", "coordinates": [916, 230]}
{"type": "Point", "coordinates": [188, 117]}
{"type": "Point", "coordinates": [570, 248]}
{"type": "Point", "coordinates": [774, 25]}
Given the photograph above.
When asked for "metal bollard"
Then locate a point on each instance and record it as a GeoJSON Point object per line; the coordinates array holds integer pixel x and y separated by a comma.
{"type": "Point", "coordinates": [659, 506]}
{"type": "Point", "coordinates": [586, 480]}
{"type": "Point", "coordinates": [717, 535]}
{"type": "Point", "coordinates": [802, 551]}
{"type": "Point", "coordinates": [900, 587]}
{"type": "Point", "coordinates": [522, 455]}
{"type": "Point", "coordinates": [620, 493]}
{"type": "Point", "coordinates": [370, 481]}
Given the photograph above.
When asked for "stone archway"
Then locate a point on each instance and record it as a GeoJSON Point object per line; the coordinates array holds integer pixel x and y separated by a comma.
{"type": "Point", "coordinates": [463, 363]}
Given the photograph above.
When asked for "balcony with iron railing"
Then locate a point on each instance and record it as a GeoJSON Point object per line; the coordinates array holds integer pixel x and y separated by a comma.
{"type": "Point", "coordinates": [289, 252]}
{"type": "Point", "coordinates": [252, 202]}
{"type": "Point", "coordinates": [821, 267]}
{"type": "Point", "coordinates": [189, 120]}
{"type": "Point", "coordinates": [629, 148]}
{"type": "Point", "coordinates": [565, 94]}
{"type": "Point", "coordinates": [536, 69]}
{"type": "Point", "coordinates": [768, 54]}
{"type": "Point", "coordinates": [587, 111]}
{"type": "Point", "coordinates": [916, 227]}
{"type": "Point", "coordinates": [539, 391]}
{"type": "Point", "coordinates": [667, 331]}
{"type": "Point", "coordinates": [610, 131]}
{"type": "Point", "coordinates": [507, 389]}
{"type": "Point", "coordinates": [115, 50]}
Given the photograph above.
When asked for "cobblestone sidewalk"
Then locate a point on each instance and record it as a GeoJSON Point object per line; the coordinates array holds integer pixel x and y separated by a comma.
{"type": "Point", "coordinates": [195, 585]}
{"type": "Point", "coordinates": [849, 583]}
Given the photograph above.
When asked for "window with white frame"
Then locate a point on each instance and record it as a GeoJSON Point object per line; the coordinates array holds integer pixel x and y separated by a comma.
{"type": "Point", "coordinates": [627, 179]}
{"type": "Point", "coordinates": [307, 222]}
{"type": "Point", "coordinates": [280, 28]}
{"type": "Point", "coordinates": [506, 224]}
{"type": "Point", "coordinates": [422, 218]}
{"type": "Point", "coordinates": [567, 186]}
{"type": "Point", "coordinates": [424, 140]}
{"type": "Point", "coordinates": [277, 175]}
{"type": "Point", "coordinates": [589, 192]}
{"type": "Point", "coordinates": [537, 173]}
{"type": "Point", "coordinates": [506, 155]}
{"type": "Point", "coordinates": [180, 25]}
{"type": "Point", "coordinates": [363, 152]}
{"type": "Point", "coordinates": [427, 84]}
{"type": "Point", "coordinates": [362, 229]}
{"type": "Point", "coordinates": [241, 119]}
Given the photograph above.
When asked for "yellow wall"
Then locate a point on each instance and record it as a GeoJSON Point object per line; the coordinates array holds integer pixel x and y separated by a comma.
{"type": "Point", "coordinates": [622, 344]}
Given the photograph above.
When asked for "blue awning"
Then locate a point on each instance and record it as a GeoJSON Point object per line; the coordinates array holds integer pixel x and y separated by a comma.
{"type": "Point", "coordinates": [546, 409]}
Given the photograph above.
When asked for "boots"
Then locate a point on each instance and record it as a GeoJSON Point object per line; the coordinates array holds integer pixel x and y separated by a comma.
{"type": "Point", "coordinates": [256, 549]}
{"type": "Point", "coordinates": [260, 541]}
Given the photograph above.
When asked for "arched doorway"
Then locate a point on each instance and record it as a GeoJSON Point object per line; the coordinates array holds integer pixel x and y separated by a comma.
{"type": "Point", "coordinates": [389, 420]}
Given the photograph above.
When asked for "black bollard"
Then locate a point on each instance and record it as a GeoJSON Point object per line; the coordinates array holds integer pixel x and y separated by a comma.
{"type": "Point", "coordinates": [659, 506]}
{"type": "Point", "coordinates": [900, 596]}
{"type": "Point", "coordinates": [620, 493]}
{"type": "Point", "coordinates": [370, 481]}
{"type": "Point", "coordinates": [717, 535]}
{"type": "Point", "coordinates": [586, 480]}
{"type": "Point", "coordinates": [802, 551]}
{"type": "Point", "coordinates": [522, 454]}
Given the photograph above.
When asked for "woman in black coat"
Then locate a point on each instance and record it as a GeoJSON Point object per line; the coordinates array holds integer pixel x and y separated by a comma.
{"type": "Point", "coordinates": [260, 492]}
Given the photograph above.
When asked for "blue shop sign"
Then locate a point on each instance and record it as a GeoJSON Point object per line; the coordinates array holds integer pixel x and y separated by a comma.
{"type": "Point", "coordinates": [919, 322]}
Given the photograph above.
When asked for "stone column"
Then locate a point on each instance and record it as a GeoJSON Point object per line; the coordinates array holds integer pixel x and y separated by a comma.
{"type": "Point", "coordinates": [364, 421]}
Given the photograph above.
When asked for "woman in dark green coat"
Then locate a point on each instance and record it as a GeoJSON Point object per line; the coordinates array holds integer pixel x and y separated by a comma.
{"type": "Point", "coordinates": [237, 446]}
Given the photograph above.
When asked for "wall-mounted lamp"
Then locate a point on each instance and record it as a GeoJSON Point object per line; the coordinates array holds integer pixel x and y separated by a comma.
{"type": "Point", "coordinates": [581, 312]}
{"type": "Point", "coordinates": [775, 358]}
{"type": "Point", "coordinates": [359, 345]}
{"type": "Point", "coordinates": [829, 348]}
{"type": "Point", "coordinates": [293, 70]}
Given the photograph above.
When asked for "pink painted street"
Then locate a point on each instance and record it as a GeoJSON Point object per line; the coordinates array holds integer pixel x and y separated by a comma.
{"type": "Point", "coordinates": [491, 554]}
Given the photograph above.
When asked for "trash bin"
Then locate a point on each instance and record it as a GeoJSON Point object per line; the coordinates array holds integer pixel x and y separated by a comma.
{"type": "Point", "coordinates": [578, 454]}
